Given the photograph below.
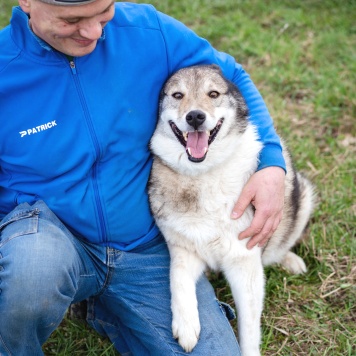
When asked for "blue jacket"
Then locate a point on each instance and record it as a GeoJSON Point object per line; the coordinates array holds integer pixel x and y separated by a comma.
{"type": "Point", "coordinates": [75, 134]}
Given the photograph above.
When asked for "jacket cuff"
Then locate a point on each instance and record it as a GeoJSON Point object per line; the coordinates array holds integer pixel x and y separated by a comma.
{"type": "Point", "coordinates": [271, 155]}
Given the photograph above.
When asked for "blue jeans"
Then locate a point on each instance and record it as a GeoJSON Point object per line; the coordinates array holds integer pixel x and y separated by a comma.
{"type": "Point", "coordinates": [44, 268]}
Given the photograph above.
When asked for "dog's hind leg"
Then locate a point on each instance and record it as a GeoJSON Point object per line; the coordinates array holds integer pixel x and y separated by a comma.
{"type": "Point", "coordinates": [247, 285]}
{"type": "Point", "coordinates": [293, 263]}
{"type": "Point", "coordinates": [186, 268]}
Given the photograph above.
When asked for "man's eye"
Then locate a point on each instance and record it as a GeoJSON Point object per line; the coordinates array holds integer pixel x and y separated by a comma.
{"type": "Point", "coordinates": [72, 21]}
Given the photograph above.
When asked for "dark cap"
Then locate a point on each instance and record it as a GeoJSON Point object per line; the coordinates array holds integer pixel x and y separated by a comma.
{"type": "Point", "coordinates": [67, 2]}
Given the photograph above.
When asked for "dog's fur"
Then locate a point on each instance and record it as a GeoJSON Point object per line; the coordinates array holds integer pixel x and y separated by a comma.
{"type": "Point", "coordinates": [192, 194]}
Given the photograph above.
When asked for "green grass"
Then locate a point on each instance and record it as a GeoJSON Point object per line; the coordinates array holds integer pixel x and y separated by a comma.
{"type": "Point", "coordinates": [302, 57]}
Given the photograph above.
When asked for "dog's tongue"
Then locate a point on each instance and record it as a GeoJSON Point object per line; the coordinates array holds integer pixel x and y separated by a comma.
{"type": "Point", "coordinates": [198, 143]}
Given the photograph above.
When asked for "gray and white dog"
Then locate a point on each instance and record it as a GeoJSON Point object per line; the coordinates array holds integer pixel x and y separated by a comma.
{"type": "Point", "coordinates": [205, 150]}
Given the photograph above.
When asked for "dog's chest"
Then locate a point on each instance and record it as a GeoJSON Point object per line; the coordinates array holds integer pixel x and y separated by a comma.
{"type": "Point", "coordinates": [197, 207]}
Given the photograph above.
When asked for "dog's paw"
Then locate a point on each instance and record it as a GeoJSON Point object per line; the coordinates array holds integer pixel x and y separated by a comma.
{"type": "Point", "coordinates": [187, 331]}
{"type": "Point", "coordinates": [294, 263]}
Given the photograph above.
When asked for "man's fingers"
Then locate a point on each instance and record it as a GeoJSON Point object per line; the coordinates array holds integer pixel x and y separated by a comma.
{"type": "Point", "coordinates": [258, 224]}
{"type": "Point", "coordinates": [262, 237]}
{"type": "Point", "coordinates": [242, 203]}
{"type": "Point", "coordinates": [277, 221]}
{"type": "Point", "coordinates": [250, 231]}
{"type": "Point", "coordinates": [265, 191]}
{"type": "Point", "coordinates": [260, 234]}
{"type": "Point", "coordinates": [265, 239]}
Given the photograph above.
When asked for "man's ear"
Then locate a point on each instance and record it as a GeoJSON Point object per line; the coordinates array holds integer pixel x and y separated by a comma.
{"type": "Point", "coordinates": [25, 5]}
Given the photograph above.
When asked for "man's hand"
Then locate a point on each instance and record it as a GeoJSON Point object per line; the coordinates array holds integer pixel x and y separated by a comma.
{"type": "Point", "coordinates": [265, 191]}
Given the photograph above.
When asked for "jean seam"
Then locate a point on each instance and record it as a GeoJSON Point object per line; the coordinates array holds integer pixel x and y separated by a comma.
{"type": "Point", "coordinates": [5, 347]}
{"type": "Point", "coordinates": [110, 270]}
{"type": "Point", "coordinates": [2, 244]}
{"type": "Point", "coordinates": [105, 284]}
{"type": "Point", "coordinates": [87, 275]}
{"type": "Point", "coordinates": [24, 214]}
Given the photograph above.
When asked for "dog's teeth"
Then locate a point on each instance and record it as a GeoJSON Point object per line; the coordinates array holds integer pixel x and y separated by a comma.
{"type": "Point", "coordinates": [189, 151]}
{"type": "Point", "coordinates": [208, 133]}
{"type": "Point", "coordinates": [185, 135]}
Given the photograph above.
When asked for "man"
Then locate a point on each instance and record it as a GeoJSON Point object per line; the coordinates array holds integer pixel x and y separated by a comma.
{"type": "Point", "coordinates": [79, 88]}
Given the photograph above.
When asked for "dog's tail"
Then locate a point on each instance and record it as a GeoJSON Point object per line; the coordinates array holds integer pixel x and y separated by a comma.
{"type": "Point", "coordinates": [292, 227]}
{"type": "Point", "coordinates": [307, 201]}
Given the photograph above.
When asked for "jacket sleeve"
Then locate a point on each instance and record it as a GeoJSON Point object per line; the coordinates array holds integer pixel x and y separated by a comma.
{"type": "Point", "coordinates": [184, 48]}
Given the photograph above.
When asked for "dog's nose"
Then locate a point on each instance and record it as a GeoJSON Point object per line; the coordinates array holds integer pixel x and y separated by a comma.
{"type": "Point", "coordinates": [195, 118]}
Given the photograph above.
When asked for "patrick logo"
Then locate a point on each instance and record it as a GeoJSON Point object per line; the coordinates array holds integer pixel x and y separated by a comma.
{"type": "Point", "coordinates": [37, 129]}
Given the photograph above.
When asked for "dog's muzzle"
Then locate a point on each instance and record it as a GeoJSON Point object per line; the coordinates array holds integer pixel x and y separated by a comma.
{"type": "Point", "coordinates": [196, 142]}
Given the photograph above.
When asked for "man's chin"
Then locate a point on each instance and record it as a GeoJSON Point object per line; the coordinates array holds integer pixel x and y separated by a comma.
{"type": "Point", "coordinates": [80, 51]}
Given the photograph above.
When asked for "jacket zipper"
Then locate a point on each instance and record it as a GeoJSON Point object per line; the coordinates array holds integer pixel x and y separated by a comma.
{"type": "Point", "coordinates": [97, 151]}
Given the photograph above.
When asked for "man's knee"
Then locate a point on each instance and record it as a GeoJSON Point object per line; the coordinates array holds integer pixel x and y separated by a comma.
{"type": "Point", "coordinates": [37, 270]}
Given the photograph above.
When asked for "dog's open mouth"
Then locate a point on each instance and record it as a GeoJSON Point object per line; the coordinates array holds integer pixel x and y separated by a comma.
{"type": "Point", "coordinates": [196, 142]}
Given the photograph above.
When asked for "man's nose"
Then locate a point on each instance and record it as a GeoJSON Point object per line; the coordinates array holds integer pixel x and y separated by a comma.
{"type": "Point", "coordinates": [91, 29]}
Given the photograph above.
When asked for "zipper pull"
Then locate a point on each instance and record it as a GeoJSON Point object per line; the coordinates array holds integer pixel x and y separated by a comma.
{"type": "Point", "coordinates": [72, 67]}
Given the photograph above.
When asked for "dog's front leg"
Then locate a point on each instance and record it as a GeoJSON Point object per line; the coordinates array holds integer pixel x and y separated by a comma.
{"type": "Point", "coordinates": [246, 280]}
{"type": "Point", "coordinates": [186, 268]}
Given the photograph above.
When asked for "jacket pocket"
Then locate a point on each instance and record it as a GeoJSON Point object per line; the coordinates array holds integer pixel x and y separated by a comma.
{"type": "Point", "coordinates": [18, 224]}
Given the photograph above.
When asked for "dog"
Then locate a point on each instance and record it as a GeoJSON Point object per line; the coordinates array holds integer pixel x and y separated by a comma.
{"type": "Point", "coordinates": [205, 150]}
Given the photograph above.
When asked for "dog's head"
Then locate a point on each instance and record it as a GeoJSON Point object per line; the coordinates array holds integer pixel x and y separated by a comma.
{"type": "Point", "coordinates": [201, 114]}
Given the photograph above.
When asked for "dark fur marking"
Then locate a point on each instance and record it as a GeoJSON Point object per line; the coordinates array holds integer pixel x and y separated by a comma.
{"type": "Point", "coordinates": [176, 198]}
{"type": "Point", "coordinates": [241, 109]}
{"type": "Point", "coordinates": [294, 206]}
{"type": "Point", "coordinates": [295, 196]}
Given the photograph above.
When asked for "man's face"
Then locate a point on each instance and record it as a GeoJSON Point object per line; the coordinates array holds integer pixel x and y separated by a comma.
{"type": "Point", "coordinates": [72, 30]}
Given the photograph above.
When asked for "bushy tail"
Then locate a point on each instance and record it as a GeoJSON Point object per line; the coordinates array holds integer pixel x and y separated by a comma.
{"type": "Point", "coordinates": [307, 200]}
{"type": "Point", "coordinates": [291, 229]}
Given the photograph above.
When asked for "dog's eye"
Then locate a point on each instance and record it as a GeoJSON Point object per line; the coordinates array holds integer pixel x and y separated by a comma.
{"type": "Point", "coordinates": [214, 94]}
{"type": "Point", "coordinates": [178, 95]}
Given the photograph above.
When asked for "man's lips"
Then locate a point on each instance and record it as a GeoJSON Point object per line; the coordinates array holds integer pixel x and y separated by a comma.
{"type": "Point", "coordinates": [83, 42]}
